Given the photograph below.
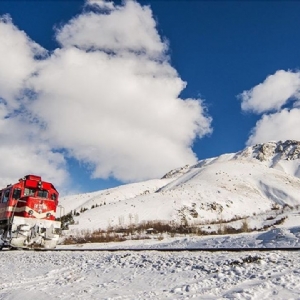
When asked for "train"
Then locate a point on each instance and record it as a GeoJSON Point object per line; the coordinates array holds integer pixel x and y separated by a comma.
{"type": "Point", "coordinates": [28, 214]}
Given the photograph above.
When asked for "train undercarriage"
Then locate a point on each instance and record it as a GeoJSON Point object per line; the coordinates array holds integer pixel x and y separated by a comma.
{"type": "Point", "coordinates": [29, 233]}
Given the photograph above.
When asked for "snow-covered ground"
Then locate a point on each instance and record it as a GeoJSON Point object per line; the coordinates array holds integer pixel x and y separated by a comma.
{"type": "Point", "coordinates": [152, 274]}
{"type": "Point", "coordinates": [149, 275]}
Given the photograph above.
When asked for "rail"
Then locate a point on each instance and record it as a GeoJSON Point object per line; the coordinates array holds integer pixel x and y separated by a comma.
{"type": "Point", "coordinates": [174, 249]}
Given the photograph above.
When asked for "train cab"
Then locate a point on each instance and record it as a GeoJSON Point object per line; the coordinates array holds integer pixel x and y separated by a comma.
{"type": "Point", "coordinates": [27, 213]}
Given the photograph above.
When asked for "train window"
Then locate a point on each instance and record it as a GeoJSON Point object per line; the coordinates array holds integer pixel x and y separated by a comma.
{"type": "Point", "coordinates": [42, 194]}
{"type": "Point", "coordinates": [6, 196]}
{"type": "Point", "coordinates": [29, 192]}
{"type": "Point", "coordinates": [16, 194]}
{"type": "Point", "coordinates": [53, 196]}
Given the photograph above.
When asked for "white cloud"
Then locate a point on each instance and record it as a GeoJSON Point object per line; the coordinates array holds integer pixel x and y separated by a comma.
{"type": "Point", "coordinates": [108, 97]}
{"type": "Point", "coordinates": [273, 93]}
{"type": "Point", "coordinates": [101, 4]}
{"type": "Point", "coordinates": [17, 62]}
{"type": "Point", "coordinates": [22, 149]}
{"type": "Point", "coordinates": [126, 28]}
{"type": "Point", "coordinates": [278, 90]}
{"type": "Point", "coordinates": [121, 115]}
{"type": "Point", "coordinates": [282, 126]}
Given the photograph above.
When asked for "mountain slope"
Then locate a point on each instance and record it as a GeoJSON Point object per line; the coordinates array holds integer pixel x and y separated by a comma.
{"type": "Point", "coordinates": [250, 183]}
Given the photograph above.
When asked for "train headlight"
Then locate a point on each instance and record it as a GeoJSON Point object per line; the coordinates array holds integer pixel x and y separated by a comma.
{"type": "Point", "coordinates": [30, 212]}
{"type": "Point", "coordinates": [48, 215]}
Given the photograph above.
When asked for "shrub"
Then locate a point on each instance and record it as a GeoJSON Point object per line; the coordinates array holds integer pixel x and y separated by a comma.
{"type": "Point", "coordinates": [97, 236]}
{"type": "Point", "coordinates": [66, 220]}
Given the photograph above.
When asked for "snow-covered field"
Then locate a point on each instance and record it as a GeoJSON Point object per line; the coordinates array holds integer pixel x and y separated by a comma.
{"type": "Point", "coordinates": [158, 275]}
{"type": "Point", "coordinates": [149, 275]}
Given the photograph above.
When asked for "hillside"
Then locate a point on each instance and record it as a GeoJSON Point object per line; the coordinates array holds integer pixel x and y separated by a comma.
{"type": "Point", "coordinates": [260, 183]}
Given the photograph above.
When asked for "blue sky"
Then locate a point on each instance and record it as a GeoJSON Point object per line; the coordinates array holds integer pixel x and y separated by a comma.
{"type": "Point", "coordinates": [220, 49]}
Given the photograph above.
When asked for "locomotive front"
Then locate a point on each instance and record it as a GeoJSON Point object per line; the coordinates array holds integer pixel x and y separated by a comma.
{"type": "Point", "coordinates": [27, 214]}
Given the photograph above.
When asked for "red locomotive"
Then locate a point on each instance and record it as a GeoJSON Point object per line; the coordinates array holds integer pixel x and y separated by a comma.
{"type": "Point", "coordinates": [27, 214]}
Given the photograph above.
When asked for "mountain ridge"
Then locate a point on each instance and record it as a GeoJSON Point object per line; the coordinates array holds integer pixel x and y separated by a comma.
{"type": "Point", "coordinates": [234, 186]}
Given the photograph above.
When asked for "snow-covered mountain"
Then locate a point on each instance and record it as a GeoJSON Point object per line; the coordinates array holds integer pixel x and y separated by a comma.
{"type": "Point", "coordinates": [259, 182]}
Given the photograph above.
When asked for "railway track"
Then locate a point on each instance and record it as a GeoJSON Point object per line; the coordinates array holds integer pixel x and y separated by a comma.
{"type": "Point", "coordinates": [172, 249]}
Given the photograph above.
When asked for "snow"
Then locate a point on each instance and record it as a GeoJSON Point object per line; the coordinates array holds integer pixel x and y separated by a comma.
{"type": "Point", "coordinates": [244, 185]}
{"type": "Point", "coordinates": [124, 274]}
{"type": "Point", "coordinates": [156, 275]}
{"type": "Point", "coordinates": [259, 185]}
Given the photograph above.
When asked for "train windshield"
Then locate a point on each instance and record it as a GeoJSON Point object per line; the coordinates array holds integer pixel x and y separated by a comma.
{"type": "Point", "coordinates": [29, 192]}
{"type": "Point", "coordinates": [34, 192]}
{"type": "Point", "coordinates": [42, 194]}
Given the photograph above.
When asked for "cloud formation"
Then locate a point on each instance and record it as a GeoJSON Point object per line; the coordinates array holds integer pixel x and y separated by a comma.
{"type": "Point", "coordinates": [273, 93]}
{"type": "Point", "coordinates": [17, 60]}
{"type": "Point", "coordinates": [279, 126]}
{"type": "Point", "coordinates": [269, 99]}
{"type": "Point", "coordinates": [128, 28]}
{"type": "Point", "coordinates": [22, 149]}
{"type": "Point", "coordinates": [107, 97]}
